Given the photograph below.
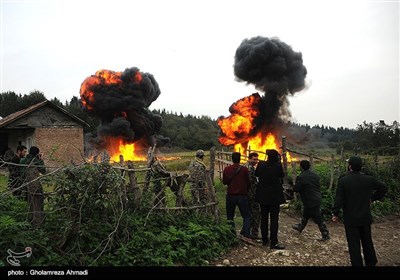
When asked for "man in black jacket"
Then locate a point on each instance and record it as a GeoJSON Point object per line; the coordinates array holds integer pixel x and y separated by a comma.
{"type": "Point", "coordinates": [269, 194]}
{"type": "Point", "coordinates": [355, 192]}
{"type": "Point", "coordinates": [308, 185]}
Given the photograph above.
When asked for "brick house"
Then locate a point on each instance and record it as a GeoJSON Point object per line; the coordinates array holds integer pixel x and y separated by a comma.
{"type": "Point", "coordinates": [55, 131]}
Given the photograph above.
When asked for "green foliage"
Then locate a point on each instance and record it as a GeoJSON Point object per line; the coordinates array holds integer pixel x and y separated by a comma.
{"type": "Point", "coordinates": [11, 102]}
{"type": "Point", "coordinates": [3, 182]}
{"type": "Point", "coordinates": [88, 222]}
{"type": "Point", "coordinates": [189, 132]}
{"type": "Point", "coordinates": [388, 173]}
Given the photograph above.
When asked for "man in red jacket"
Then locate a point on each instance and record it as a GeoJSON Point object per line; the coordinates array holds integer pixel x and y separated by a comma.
{"type": "Point", "coordinates": [236, 177]}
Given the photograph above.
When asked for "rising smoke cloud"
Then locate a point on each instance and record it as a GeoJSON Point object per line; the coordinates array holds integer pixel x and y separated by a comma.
{"type": "Point", "coordinates": [273, 68]}
{"type": "Point", "coordinates": [121, 100]}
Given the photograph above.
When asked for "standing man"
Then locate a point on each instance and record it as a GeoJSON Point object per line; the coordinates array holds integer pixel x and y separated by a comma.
{"type": "Point", "coordinates": [236, 177]}
{"type": "Point", "coordinates": [32, 167]}
{"type": "Point", "coordinates": [308, 185]}
{"type": "Point", "coordinates": [197, 179]}
{"type": "Point", "coordinates": [269, 194]}
{"type": "Point", "coordinates": [14, 181]}
{"type": "Point", "coordinates": [355, 193]}
{"type": "Point", "coordinates": [253, 205]}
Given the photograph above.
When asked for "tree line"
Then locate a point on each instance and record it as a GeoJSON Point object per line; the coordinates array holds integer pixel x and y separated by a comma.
{"type": "Point", "coordinates": [191, 132]}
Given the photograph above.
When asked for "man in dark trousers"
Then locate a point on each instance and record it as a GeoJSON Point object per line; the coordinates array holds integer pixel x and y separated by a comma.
{"type": "Point", "coordinates": [253, 204]}
{"type": "Point", "coordinates": [237, 178]}
{"type": "Point", "coordinates": [269, 194]}
{"type": "Point", "coordinates": [355, 193]}
{"type": "Point", "coordinates": [308, 185]}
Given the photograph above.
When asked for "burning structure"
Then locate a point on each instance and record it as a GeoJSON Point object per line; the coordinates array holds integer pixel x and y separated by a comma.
{"type": "Point", "coordinates": [275, 69]}
{"type": "Point", "coordinates": [121, 101]}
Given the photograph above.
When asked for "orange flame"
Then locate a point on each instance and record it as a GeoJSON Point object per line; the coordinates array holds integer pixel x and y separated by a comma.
{"type": "Point", "coordinates": [241, 121]}
{"type": "Point", "coordinates": [238, 128]}
{"type": "Point", "coordinates": [116, 147]}
{"type": "Point", "coordinates": [260, 143]}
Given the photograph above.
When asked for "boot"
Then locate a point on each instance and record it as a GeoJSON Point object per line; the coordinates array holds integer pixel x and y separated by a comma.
{"type": "Point", "coordinates": [324, 231]}
{"type": "Point", "coordinates": [299, 227]}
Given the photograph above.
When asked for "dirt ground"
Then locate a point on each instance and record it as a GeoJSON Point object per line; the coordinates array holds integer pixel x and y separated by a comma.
{"type": "Point", "coordinates": [305, 250]}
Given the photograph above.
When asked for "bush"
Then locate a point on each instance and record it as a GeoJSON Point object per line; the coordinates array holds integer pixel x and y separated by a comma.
{"type": "Point", "coordinates": [88, 223]}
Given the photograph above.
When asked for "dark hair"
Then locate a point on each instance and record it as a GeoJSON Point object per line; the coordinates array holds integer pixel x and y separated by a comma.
{"type": "Point", "coordinates": [355, 167]}
{"type": "Point", "coordinates": [355, 162]}
{"type": "Point", "coordinates": [305, 164]}
{"type": "Point", "coordinates": [236, 157]}
{"type": "Point", "coordinates": [273, 155]}
{"type": "Point", "coordinates": [34, 151]}
{"type": "Point", "coordinates": [21, 148]}
{"type": "Point", "coordinates": [253, 154]}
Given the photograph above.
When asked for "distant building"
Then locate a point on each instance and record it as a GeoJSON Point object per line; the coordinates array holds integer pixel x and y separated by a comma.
{"type": "Point", "coordinates": [57, 133]}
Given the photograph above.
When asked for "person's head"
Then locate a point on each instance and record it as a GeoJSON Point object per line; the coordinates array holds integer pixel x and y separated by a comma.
{"type": "Point", "coordinates": [34, 151]}
{"type": "Point", "coordinates": [355, 163]}
{"type": "Point", "coordinates": [200, 154]}
{"type": "Point", "coordinates": [305, 164]}
{"type": "Point", "coordinates": [236, 157]}
{"type": "Point", "coordinates": [253, 158]}
{"type": "Point", "coordinates": [273, 155]}
{"type": "Point", "coordinates": [22, 150]}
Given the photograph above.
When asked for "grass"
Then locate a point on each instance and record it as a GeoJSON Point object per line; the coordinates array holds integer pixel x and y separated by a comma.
{"type": "Point", "coordinates": [3, 182]}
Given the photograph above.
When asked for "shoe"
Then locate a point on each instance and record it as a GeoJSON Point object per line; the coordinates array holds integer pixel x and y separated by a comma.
{"type": "Point", "coordinates": [255, 234]}
{"type": "Point", "coordinates": [325, 238]}
{"type": "Point", "coordinates": [277, 247]}
{"type": "Point", "coordinates": [297, 228]}
{"type": "Point", "coordinates": [253, 237]}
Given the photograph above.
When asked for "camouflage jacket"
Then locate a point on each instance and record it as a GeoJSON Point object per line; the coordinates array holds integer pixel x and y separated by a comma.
{"type": "Point", "coordinates": [253, 180]}
{"type": "Point", "coordinates": [197, 170]}
{"type": "Point", "coordinates": [158, 170]}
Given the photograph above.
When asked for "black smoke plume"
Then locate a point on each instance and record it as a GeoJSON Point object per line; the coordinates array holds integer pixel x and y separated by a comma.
{"type": "Point", "coordinates": [121, 100]}
{"type": "Point", "coordinates": [273, 68]}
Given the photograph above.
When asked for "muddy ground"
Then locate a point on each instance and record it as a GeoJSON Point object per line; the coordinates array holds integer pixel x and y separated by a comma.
{"type": "Point", "coordinates": [305, 250]}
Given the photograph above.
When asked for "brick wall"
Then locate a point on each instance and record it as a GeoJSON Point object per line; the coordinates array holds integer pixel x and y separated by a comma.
{"type": "Point", "coordinates": [60, 145]}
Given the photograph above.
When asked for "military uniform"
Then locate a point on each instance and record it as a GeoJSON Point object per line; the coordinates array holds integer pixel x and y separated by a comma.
{"type": "Point", "coordinates": [159, 173]}
{"type": "Point", "coordinates": [34, 188]}
{"type": "Point", "coordinates": [253, 205]}
{"type": "Point", "coordinates": [197, 179]}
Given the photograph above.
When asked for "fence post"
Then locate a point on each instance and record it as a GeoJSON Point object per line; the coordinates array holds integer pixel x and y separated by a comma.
{"type": "Point", "coordinates": [212, 163]}
{"type": "Point", "coordinates": [311, 161]}
{"type": "Point", "coordinates": [284, 157]}
{"type": "Point", "coordinates": [294, 176]}
{"type": "Point", "coordinates": [125, 197]}
{"type": "Point", "coordinates": [285, 185]}
{"type": "Point", "coordinates": [213, 198]}
{"type": "Point", "coordinates": [150, 157]}
{"type": "Point", "coordinates": [332, 171]}
{"type": "Point", "coordinates": [133, 186]}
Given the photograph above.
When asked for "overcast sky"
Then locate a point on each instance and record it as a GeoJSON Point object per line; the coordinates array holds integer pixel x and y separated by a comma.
{"type": "Point", "coordinates": [350, 49]}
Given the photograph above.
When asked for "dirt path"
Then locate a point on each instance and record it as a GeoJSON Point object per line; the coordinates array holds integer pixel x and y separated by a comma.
{"type": "Point", "coordinates": [305, 250]}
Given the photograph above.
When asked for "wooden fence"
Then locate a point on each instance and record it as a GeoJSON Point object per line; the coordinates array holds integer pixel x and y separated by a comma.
{"type": "Point", "coordinates": [164, 200]}
{"type": "Point", "coordinates": [337, 166]}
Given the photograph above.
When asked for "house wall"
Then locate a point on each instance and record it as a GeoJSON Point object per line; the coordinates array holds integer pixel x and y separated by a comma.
{"type": "Point", "coordinates": [60, 145]}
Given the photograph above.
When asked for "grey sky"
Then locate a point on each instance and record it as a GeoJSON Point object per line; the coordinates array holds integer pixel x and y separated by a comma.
{"type": "Point", "coordinates": [350, 50]}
